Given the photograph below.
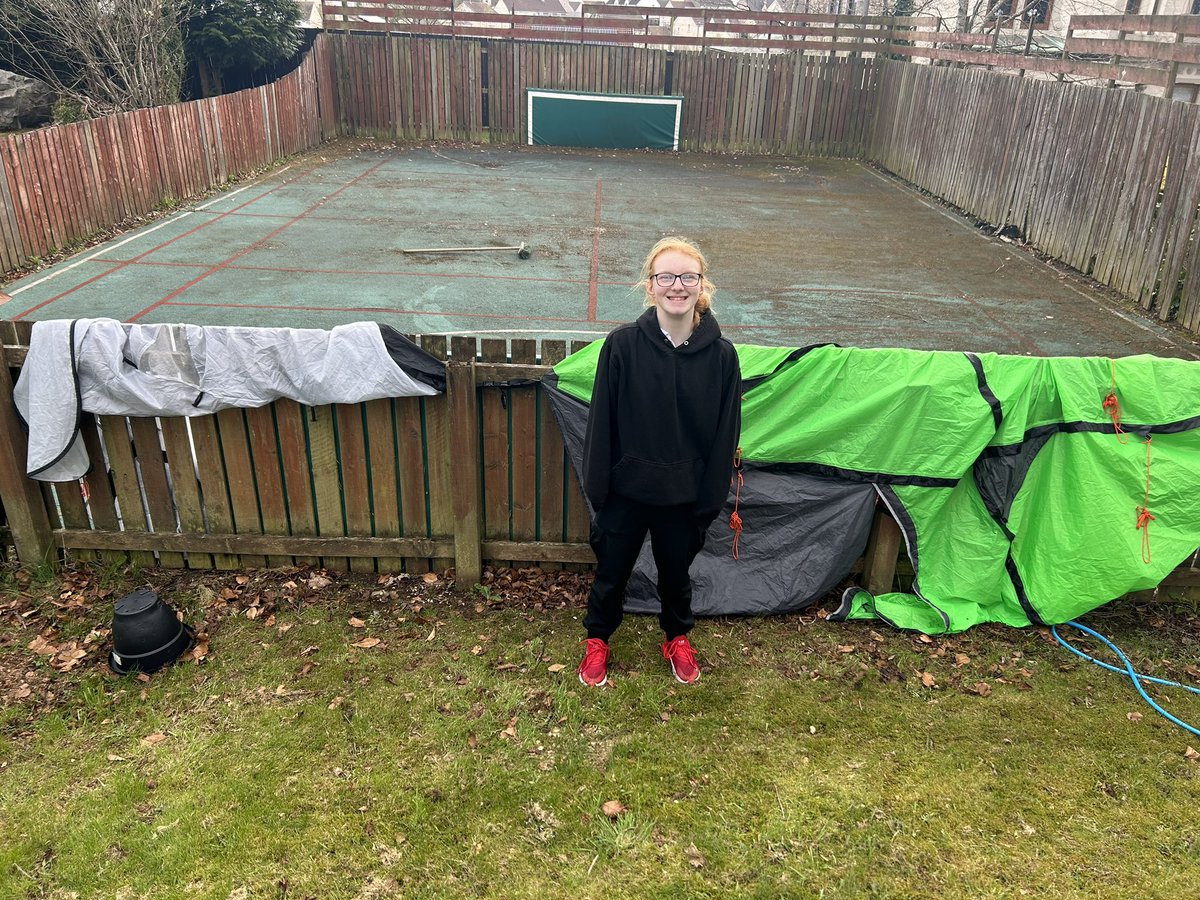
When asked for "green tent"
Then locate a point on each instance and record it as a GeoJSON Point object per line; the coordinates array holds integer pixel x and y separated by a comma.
{"type": "Point", "coordinates": [1018, 493]}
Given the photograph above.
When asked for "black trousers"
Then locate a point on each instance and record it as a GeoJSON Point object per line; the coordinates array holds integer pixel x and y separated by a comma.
{"type": "Point", "coordinates": [616, 537]}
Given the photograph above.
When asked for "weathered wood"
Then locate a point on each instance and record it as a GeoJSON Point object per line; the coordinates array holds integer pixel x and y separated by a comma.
{"type": "Point", "coordinates": [28, 520]}
{"type": "Point", "coordinates": [257, 546]}
{"type": "Point", "coordinates": [883, 549]}
{"type": "Point", "coordinates": [439, 435]}
{"type": "Point", "coordinates": [463, 447]}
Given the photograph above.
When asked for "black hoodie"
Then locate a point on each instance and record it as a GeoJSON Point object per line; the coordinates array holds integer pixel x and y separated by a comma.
{"type": "Point", "coordinates": [664, 420]}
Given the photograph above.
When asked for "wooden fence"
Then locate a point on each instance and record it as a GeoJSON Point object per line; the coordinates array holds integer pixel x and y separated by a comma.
{"type": "Point", "coordinates": [1106, 181]}
{"type": "Point", "coordinates": [410, 484]}
{"type": "Point", "coordinates": [477, 475]}
{"type": "Point", "coordinates": [676, 27]}
{"type": "Point", "coordinates": [397, 86]}
{"type": "Point", "coordinates": [61, 185]}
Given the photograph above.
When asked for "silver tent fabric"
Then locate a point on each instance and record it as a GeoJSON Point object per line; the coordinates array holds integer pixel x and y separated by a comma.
{"type": "Point", "coordinates": [107, 367]}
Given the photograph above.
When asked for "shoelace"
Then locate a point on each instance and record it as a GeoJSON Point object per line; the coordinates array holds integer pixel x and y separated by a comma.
{"type": "Point", "coordinates": [681, 649]}
{"type": "Point", "coordinates": [595, 648]}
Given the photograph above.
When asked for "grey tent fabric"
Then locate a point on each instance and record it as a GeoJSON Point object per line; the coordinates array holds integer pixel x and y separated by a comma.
{"type": "Point", "coordinates": [107, 367]}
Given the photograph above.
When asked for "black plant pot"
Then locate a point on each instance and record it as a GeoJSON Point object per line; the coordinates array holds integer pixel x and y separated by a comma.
{"type": "Point", "coordinates": [147, 634]}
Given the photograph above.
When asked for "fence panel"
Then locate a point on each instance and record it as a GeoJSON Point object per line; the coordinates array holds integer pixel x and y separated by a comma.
{"type": "Point", "coordinates": [60, 185]}
{"type": "Point", "coordinates": [1103, 180]}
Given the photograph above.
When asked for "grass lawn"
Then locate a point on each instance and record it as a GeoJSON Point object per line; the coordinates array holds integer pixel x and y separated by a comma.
{"type": "Point", "coordinates": [348, 736]}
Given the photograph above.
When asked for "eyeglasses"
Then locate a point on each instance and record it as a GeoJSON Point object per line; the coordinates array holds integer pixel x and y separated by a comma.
{"type": "Point", "coordinates": [687, 279]}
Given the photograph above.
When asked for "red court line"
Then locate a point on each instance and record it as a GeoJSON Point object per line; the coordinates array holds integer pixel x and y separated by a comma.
{"type": "Point", "coordinates": [593, 289]}
{"type": "Point", "coordinates": [175, 293]}
{"type": "Point", "coordinates": [386, 310]}
{"type": "Point", "coordinates": [1022, 341]}
{"type": "Point", "coordinates": [141, 256]}
{"type": "Point", "coordinates": [299, 270]}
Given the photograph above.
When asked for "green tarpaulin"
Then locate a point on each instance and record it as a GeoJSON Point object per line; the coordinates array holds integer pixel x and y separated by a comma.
{"type": "Point", "coordinates": [1018, 497]}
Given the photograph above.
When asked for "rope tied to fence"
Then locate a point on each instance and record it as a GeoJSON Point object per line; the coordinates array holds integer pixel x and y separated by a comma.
{"type": "Point", "coordinates": [735, 520]}
{"type": "Point", "coordinates": [1112, 406]}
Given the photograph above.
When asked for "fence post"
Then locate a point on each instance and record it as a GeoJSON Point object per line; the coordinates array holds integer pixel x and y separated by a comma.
{"type": "Point", "coordinates": [463, 449]}
{"type": "Point", "coordinates": [883, 549]}
{"type": "Point", "coordinates": [22, 499]}
{"type": "Point", "coordinates": [1172, 72]}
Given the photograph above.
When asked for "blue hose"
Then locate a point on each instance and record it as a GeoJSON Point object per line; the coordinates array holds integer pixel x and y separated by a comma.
{"type": "Point", "coordinates": [1136, 677]}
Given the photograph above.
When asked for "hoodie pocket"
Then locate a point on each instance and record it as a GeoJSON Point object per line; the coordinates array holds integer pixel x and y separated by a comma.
{"type": "Point", "coordinates": [657, 483]}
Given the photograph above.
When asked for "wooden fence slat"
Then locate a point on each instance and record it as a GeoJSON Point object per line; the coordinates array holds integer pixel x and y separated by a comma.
{"type": "Point", "coordinates": [326, 477]}
{"type": "Point", "coordinates": [101, 501]}
{"type": "Point", "coordinates": [439, 439]}
{"type": "Point", "coordinates": [494, 424]}
{"type": "Point", "coordinates": [159, 503]}
{"type": "Point", "coordinates": [524, 441]}
{"type": "Point", "coordinates": [411, 442]}
{"type": "Point", "coordinates": [239, 470]}
{"type": "Point", "coordinates": [128, 493]}
{"type": "Point", "coordinates": [384, 456]}
{"type": "Point", "coordinates": [356, 491]}
{"type": "Point", "coordinates": [295, 464]}
{"type": "Point", "coordinates": [268, 474]}
{"type": "Point", "coordinates": [185, 485]}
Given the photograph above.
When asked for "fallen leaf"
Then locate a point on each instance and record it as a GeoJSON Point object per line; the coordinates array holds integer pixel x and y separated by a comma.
{"type": "Point", "coordinates": [613, 808]}
{"type": "Point", "coordinates": [112, 757]}
{"type": "Point", "coordinates": [366, 643]}
{"type": "Point", "coordinates": [557, 667]}
{"type": "Point", "coordinates": [510, 731]}
{"type": "Point", "coordinates": [1191, 753]}
{"type": "Point", "coordinates": [430, 577]}
{"type": "Point", "coordinates": [242, 579]}
{"type": "Point", "coordinates": [928, 680]}
{"type": "Point", "coordinates": [845, 648]}
{"type": "Point", "coordinates": [336, 702]}
{"type": "Point", "coordinates": [982, 688]}
{"type": "Point", "coordinates": [1134, 716]}
{"type": "Point", "coordinates": [356, 622]}
{"type": "Point", "coordinates": [472, 741]}
{"type": "Point", "coordinates": [151, 739]}
{"type": "Point", "coordinates": [432, 634]}
{"type": "Point", "coordinates": [42, 647]}
{"type": "Point", "coordinates": [924, 639]}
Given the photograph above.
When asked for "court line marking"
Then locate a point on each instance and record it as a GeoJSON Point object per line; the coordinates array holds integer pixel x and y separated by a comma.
{"type": "Point", "coordinates": [179, 290]}
{"type": "Point", "coordinates": [141, 234]}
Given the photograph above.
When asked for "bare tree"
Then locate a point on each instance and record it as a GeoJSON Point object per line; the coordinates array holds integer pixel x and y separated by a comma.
{"type": "Point", "coordinates": [106, 55]}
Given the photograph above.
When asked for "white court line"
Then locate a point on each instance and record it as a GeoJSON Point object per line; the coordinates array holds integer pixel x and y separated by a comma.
{"type": "Point", "coordinates": [1033, 262]}
{"type": "Point", "coordinates": [108, 248]}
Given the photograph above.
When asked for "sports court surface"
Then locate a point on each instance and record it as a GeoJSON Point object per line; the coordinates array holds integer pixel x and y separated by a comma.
{"type": "Point", "coordinates": [803, 251]}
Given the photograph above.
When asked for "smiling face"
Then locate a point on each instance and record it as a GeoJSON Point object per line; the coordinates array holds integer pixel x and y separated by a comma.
{"type": "Point", "coordinates": [675, 299]}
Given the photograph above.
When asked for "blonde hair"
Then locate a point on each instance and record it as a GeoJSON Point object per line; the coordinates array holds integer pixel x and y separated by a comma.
{"type": "Point", "coordinates": [680, 245]}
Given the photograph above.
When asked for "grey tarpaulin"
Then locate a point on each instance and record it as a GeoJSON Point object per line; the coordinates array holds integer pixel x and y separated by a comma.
{"type": "Point", "coordinates": [107, 367]}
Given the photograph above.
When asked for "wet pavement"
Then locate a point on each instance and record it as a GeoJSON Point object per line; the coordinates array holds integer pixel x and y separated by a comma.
{"type": "Point", "coordinates": [803, 251]}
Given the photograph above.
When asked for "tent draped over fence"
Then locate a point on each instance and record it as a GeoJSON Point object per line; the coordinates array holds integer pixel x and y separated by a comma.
{"type": "Point", "coordinates": [1020, 492]}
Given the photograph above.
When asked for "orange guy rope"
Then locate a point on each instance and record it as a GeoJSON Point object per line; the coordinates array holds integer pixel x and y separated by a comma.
{"type": "Point", "coordinates": [735, 520]}
{"type": "Point", "coordinates": [1144, 518]}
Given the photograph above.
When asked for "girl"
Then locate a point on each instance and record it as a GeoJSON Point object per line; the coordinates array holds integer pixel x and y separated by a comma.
{"type": "Point", "coordinates": [658, 454]}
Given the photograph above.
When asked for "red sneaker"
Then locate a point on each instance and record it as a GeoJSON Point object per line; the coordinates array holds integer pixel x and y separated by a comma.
{"type": "Point", "coordinates": [593, 671]}
{"type": "Point", "coordinates": [682, 658]}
